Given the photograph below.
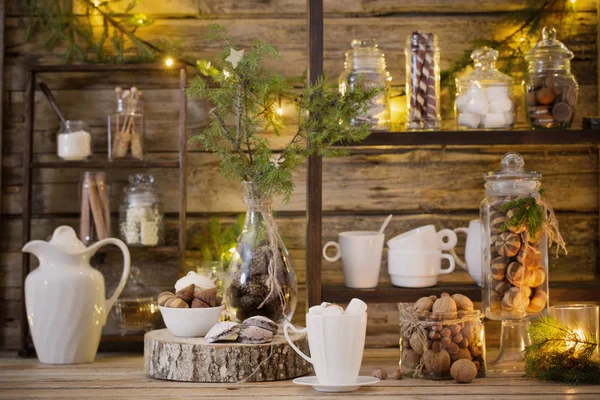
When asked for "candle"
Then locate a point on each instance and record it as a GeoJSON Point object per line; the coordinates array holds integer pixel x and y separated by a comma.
{"type": "Point", "coordinates": [580, 318]}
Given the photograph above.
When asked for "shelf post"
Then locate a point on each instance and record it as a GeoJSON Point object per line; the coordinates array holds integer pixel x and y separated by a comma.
{"type": "Point", "coordinates": [314, 170]}
{"type": "Point", "coordinates": [182, 167]}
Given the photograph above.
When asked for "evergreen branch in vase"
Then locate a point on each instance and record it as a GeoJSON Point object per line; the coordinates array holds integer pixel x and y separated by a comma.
{"type": "Point", "coordinates": [244, 94]}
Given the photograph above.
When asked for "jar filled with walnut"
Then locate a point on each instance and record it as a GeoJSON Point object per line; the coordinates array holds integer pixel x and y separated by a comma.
{"type": "Point", "coordinates": [436, 333]}
{"type": "Point", "coordinates": [515, 247]}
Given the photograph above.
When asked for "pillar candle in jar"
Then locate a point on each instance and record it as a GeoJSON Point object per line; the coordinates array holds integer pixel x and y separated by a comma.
{"type": "Point", "coordinates": [581, 318]}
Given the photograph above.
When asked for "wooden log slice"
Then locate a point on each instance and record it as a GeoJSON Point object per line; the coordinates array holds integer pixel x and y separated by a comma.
{"type": "Point", "coordinates": [194, 360]}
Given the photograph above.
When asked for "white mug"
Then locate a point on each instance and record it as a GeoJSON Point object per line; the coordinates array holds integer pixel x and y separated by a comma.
{"type": "Point", "coordinates": [417, 269]}
{"type": "Point", "coordinates": [360, 252]}
{"type": "Point", "coordinates": [473, 250]}
{"type": "Point", "coordinates": [336, 345]}
{"type": "Point", "coordinates": [424, 239]}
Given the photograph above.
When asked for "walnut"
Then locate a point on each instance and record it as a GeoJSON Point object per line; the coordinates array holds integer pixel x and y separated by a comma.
{"type": "Point", "coordinates": [424, 304]}
{"type": "Point", "coordinates": [410, 358]}
{"type": "Point", "coordinates": [463, 371]}
{"type": "Point", "coordinates": [463, 302]}
{"type": "Point", "coordinates": [440, 363]}
{"type": "Point", "coordinates": [444, 305]}
{"type": "Point", "coordinates": [416, 344]}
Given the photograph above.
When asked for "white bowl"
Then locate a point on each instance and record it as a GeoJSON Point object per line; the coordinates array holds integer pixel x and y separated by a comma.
{"type": "Point", "coordinates": [190, 322]}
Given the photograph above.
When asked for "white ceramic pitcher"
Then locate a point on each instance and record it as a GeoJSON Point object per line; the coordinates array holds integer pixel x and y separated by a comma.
{"type": "Point", "coordinates": [65, 297]}
{"type": "Point", "coordinates": [473, 250]}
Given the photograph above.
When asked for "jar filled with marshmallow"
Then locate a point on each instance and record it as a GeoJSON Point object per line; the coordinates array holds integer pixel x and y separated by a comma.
{"type": "Point", "coordinates": [484, 98]}
{"type": "Point", "coordinates": [74, 143]}
{"type": "Point", "coordinates": [141, 216]}
{"type": "Point", "coordinates": [365, 64]}
{"type": "Point", "coordinates": [550, 90]}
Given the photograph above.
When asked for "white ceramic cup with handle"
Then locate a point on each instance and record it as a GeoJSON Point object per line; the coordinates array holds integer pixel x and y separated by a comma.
{"type": "Point", "coordinates": [336, 345]}
{"type": "Point", "coordinates": [360, 252]}
{"type": "Point", "coordinates": [473, 250]}
{"type": "Point", "coordinates": [417, 269]}
{"type": "Point", "coordinates": [424, 239]}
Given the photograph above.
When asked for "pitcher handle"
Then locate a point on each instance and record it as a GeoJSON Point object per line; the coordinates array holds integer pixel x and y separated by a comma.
{"type": "Point", "coordinates": [287, 337]}
{"type": "Point", "coordinates": [460, 262]}
{"type": "Point", "coordinates": [126, 266]}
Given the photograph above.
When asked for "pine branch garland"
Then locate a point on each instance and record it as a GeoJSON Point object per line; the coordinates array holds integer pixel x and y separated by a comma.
{"type": "Point", "coordinates": [560, 354]}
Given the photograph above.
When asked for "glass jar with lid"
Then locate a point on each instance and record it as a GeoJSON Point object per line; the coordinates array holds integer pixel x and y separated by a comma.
{"type": "Point", "coordinates": [550, 89]}
{"type": "Point", "coordinates": [136, 309]}
{"type": "Point", "coordinates": [141, 216]}
{"type": "Point", "coordinates": [365, 63]}
{"type": "Point", "coordinates": [484, 97]}
{"type": "Point", "coordinates": [515, 246]}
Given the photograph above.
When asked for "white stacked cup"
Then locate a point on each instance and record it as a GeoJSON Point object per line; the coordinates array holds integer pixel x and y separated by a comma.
{"type": "Point", "coordinates": [415, 257]}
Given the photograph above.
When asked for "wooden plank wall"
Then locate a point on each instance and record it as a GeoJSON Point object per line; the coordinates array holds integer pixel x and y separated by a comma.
{"type": "Point", "coordinates": [420, 185]}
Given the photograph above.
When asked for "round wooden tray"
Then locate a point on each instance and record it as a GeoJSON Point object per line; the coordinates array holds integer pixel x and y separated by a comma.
{"type": "Point", "coordinates": [194, 360]}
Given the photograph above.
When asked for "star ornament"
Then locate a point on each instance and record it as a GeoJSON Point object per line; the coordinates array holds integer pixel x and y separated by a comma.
{"type": "Point", "coordinates": [235, 56]}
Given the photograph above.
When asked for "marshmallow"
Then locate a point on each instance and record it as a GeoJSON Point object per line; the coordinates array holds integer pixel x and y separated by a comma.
{"type": "Point", "coordinates": [497, 92]}
{"type": "Point", "coordinates": [333, 309]}
{"type": "Point", "coordinates": [477, 105]}
{"type": "Point", "coordinates": [202, 282]}
{"type": "Point", "coordinates": [501, 105]}
{"type": "Point", "coordinates": [494, 120]}
{"type": "Point", "coordinates": [325, 304]}
{"type": "Point", "coordinates": [470, 120]}
{"type": "Point", "coordinates": [316, 310]}
{"type": "Point", "coordinates": [356, 307]}
{"type": "Point", "coordinates": [461, 103]}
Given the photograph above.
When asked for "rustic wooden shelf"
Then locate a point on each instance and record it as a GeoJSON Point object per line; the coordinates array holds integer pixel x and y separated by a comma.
{"type": "Point", "coordinates": [134, 249]}
{"type": "Point", "coordinates": [105, 164]}
{"type": "Point", "coordinates": [573, 291]}
{"type": "Point", "coordinates": [483, 137]}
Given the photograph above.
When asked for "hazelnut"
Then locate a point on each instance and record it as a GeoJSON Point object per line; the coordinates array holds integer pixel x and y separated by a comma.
{"type": "Point", "coordinates": [452, 348]}
{"type": "Point", "coordinates": [446, 332]}
{"type": "Point", "coordinates": [437, 327]}
{"type": "Point", "coordinates": [410, 358]}
{"type": "Point", "coordinates": [398, 374]}
{"type": "Point", "coordinates": [454, 329]}
{"type": "Point", "coordinates": [457, 338]}
{"type": "Point", "coordinates": [445, 342]}
{"type": "Point", "coordinates": [463, 371]}
{"type": "Point", "coordinates": [434, 336]}
{"type": "Point", "coordinates": [379, 373]}
{"type": "Point", "coordinates": [461, 354]}
{"type": "Point", "coordinates": [464, 344]}
{"type": "Point", "coordinates": [436, 347]}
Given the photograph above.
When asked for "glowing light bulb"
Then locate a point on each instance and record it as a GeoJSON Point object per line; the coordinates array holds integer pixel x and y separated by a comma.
{"type": "Point", "coordinates": [573, 1]}
{"type": "Point", "coordinates": [522, 40]}
{"type": "Point", "coordinates": [279, 111]}
{"type": "Point", "coordinates": [169, 62]}
{"type": "Point", "coordinates": [140, 21]}
{"type": "Point", "coordinates": [96, 3]}
{"type": "Point", "coordinates": [226, 73]}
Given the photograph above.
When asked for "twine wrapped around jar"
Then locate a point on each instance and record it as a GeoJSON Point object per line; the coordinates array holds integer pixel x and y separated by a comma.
{"type": "Point", "coordinates": [422, 326]}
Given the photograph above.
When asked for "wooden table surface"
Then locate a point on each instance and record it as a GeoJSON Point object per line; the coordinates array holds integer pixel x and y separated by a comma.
{"type": "Point", "coordinates": [120, 376]}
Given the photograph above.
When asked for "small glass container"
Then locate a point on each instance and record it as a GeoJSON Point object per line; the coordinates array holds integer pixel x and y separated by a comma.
{"type": "Point", "coordinates": [365, 63]}
{"type": "Point", "coordinates": [485, 98]}
{"type": "Point", "coordinates": [550, 89]}
{"type": "Point", "coordinates": [73, 143]}
{"type": "Point", "coordinates": [126, 128]}
{"type": "Point", "coordinates": [424, 352]}
{"type": "Point", "coordinates": [94, 219]}
{"type": "Point", "coordinates": [141, 216]}
{"type": "Point", "coordinates": [136, 309]}
{"type": "Point", "coordinates": [422, 82]}
{"type": "Point", "coordinates": [515, 264]}
{"type": "Point", "coordinates": [582, 319]}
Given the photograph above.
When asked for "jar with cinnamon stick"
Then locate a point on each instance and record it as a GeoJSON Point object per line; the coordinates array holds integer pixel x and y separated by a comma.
{"type": "Point", "coordinates": [95, 209]}
{"type": "Point", "coordinates": [126, 126]}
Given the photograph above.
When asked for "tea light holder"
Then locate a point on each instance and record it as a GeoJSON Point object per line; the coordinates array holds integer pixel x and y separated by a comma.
{"type": "Point", "coordinates": [581, 318]}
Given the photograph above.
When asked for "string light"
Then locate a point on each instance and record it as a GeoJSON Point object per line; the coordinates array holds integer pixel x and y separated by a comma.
{"type": "Point", "coordinates": [140, 21]}
{"type": "Point", "coordinates": [169, 62]}
{"type": "Point", "coordinates": [573, 1]}
{"type": "Point", "coordinates": [226, 73]}
{"type": "Point", "coordinates": [279, 111]}
{"type": "Point", "coordinates": [522, 39]}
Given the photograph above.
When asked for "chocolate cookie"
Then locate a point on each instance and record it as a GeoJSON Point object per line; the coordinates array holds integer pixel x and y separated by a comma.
{"type": "Point", "coordinates": [255, 335]}
{"type": "Point", "coordinates": [261, 322]}
{"type": "Point", "coordinates": [223, 331]}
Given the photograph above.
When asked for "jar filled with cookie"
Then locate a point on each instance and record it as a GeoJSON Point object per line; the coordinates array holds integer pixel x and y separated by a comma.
{"type": "Point", "coordinates": [550, 89]}
{"type": "Point", "coordinates": [518, 225]}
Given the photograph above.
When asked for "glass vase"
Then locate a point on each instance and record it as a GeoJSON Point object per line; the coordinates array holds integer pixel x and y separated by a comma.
{"type": "Point", "coordinates": [262, 280]}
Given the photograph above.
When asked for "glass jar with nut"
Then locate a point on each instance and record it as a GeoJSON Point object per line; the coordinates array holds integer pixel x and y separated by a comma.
{"type": "Point", "coordinates": [437, 332]}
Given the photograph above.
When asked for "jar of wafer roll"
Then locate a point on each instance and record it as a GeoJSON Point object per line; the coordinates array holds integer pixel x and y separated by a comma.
{"type": "Point", "coordinates": [422, 82]}
{"type": "Point", "coordinates": [550, 90]}
{"type": "Point", "coordinates": [514, 219]}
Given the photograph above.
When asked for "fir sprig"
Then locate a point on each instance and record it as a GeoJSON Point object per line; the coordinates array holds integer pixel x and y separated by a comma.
{"type": "Point", "coordinates": [215, 239]}
{"type": "Point", "coordinates": [244, 97]}
{"type": "Point", "coordinates": [558, 353]}
{"type": "Point", "coordinates": [526, 212]}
